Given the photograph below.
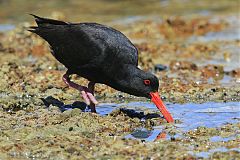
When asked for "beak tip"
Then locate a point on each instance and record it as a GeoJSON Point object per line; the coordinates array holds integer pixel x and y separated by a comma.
{"type": "Point", "coordinates": [155, 98]}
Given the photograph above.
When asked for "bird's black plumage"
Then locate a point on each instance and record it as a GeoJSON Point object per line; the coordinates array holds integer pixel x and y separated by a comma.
{"type": "Point", "coordinates": [98, 53]}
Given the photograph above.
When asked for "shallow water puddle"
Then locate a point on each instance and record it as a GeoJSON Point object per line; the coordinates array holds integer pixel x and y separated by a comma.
{"type": "Point", "coordinates": [191, 115]}
{"type": "Point", "coordinates": [145, 134]}
{"type": "Point", "coordinates": [222, 139]}
{"type": "Point", "coordinates": [210, 114]}
{"type": "Point", "coordinates": [208, 154]}
{"type": "Point", "coordinates": [6, 27]}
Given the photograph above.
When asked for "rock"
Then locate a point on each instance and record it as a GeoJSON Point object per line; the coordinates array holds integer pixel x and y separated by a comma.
{"type": "Point", "coordinates": [159, 67]}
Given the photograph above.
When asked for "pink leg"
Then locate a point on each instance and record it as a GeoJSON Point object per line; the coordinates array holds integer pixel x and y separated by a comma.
{"type": "Point", "coordinates": [91, 88]}
{"type": "Point", "coordinates": [87, 93]}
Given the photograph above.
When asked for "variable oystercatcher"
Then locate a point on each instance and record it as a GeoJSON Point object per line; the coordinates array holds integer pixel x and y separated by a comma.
{"type": "Point", "coordinates": [100, 54]}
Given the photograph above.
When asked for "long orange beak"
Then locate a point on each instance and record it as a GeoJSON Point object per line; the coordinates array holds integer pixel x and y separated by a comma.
{"type": "Point", "coordinates": [160, 105]}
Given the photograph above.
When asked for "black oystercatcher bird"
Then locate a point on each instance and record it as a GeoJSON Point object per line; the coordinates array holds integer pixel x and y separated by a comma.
{"type": "Point", "coordinates": [100, 54]}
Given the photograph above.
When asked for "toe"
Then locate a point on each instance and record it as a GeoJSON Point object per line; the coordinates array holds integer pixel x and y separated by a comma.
{"type": "Point", "coordinates": [92, 98]}
{"type": "Point", "coordinates": [85, 97]}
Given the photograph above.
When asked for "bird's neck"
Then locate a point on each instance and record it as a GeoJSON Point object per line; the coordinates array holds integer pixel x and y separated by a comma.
{"type": "Point", "coordinates": [124, 78]}
{"type": "Point", "coordinates": [128, 72]}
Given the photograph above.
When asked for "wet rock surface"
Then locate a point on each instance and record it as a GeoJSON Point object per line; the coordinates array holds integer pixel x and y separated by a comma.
{"type": "Point", "coordinates": [42, 118]}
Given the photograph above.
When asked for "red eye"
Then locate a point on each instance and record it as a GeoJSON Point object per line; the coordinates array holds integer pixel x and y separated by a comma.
{"type": "Point", "coordinates": [147, 82]}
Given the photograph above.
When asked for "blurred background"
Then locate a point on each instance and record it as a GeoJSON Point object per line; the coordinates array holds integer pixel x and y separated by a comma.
{"type": "Point", "coordinates": [192, 41]}
{"type": "Point", "coordinates": [13, 11]}
{"type": "Point", "coordinates": [188, 41]}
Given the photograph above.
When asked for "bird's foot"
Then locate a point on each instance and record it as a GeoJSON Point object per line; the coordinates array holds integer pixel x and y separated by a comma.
{"type": "Point", "coordinates": [86, 92]}
{"type": "Point", "coordinates": [93, 108]}
{"type": "Point", "coordinates": [92, 105]}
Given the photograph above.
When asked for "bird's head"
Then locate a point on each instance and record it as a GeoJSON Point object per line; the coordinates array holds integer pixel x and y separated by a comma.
{"type": "Point", "coordinates": [142, 84]}
{"type": "Point", "coordinates": [135, 81]}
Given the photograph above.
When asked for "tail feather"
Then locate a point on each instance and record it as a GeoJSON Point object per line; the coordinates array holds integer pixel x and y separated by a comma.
{"type": "Point", "coordinates": [44, 23]}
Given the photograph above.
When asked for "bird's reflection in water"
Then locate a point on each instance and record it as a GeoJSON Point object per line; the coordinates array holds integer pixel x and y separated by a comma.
{"type": "Point", "coordinates": [147, 135]}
